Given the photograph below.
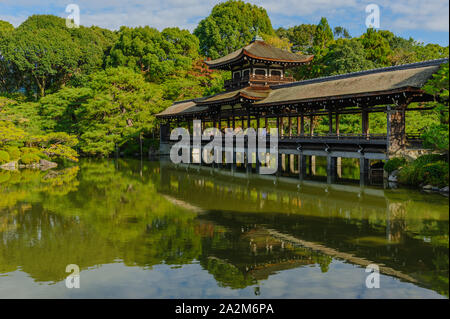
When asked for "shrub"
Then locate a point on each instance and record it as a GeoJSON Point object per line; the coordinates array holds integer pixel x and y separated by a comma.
{"type": "Point", "coordinates": [394, 163]}
{"type": "Point", "coordinates": [14, 152]}
{"type": "Point", "coordinates": [29, 158]}
{"type": "Point", "coordinates": [426, 169]}
{"type": "Point", "coordinates": [29, 150]}
{"type": "Point", "coordinates": [428, 158]}
{"type": "Point", "coordinates": [4, 157]}
{"type": "Point", "coordinates": [435, 174]}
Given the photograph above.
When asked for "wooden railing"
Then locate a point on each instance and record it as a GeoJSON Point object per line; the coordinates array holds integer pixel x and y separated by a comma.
{"type": "Point", "coordinates": [257, 80]}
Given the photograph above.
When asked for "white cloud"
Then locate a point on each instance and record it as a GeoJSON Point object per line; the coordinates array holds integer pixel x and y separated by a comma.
{"type": "Point", "coordinates": [430, 15]}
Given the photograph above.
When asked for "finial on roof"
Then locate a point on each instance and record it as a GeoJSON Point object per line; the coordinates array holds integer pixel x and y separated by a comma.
{"type": "Point", "coordinates": [257, 38]}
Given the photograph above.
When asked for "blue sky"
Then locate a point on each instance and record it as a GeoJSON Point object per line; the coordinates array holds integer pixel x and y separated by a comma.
{"type": "Point", "coordinates": [424, 20]}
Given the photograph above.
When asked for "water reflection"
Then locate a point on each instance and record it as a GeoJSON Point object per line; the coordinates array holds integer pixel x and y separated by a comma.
{"type": "Point", "coordinates": [247, 233]}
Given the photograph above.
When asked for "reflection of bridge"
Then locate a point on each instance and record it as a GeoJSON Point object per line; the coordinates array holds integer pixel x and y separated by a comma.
{"type": "Point", "coordinates": [358, 225]}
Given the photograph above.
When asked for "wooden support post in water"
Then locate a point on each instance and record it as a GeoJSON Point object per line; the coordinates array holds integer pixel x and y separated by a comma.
{"type": "Point", "coordinates": [339, 167]}
{"type": "Point", "coordinates": [292, 164]}
{"type": "Point", "coordinates": [331, 169]}
{"type": "Point", "coordinates": [301, 166]}
{"type": "Point", "coordinates": [363, 171]}
{"type": "Point", "coordinates": [312, 165]}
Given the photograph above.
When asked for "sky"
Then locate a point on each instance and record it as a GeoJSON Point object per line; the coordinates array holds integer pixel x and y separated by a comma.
{"type": "Point", "coordinates": [424, 20]}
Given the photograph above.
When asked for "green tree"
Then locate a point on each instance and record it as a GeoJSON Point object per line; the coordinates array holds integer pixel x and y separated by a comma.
{"type": "Point", "coordinates": [376, 46]}
{"type": "Point", "coordinates": [230, 26]}
{"type": "Point", "coordinates": [123, 106]}
{"type": "Point", "coordinates": [301, 37]}
{"type": "Point", "coordinates": [44, 54]}
{"type": "Point", "coordinates": [346, 56]}
{"type": "Point", "coordinates": [323, 35]}
{"type": "Point", "coordinates": [437, 136]}
{"type": "Point", "coordinates": [153, 53]}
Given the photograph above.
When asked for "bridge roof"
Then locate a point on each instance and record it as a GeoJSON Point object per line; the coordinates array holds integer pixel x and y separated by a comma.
{"type": "Point", "coordinates": [364, 83]}
{"type": "Point", "coordinates": [376, 82]}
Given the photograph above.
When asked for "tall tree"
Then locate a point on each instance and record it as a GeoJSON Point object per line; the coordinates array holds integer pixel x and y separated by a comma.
{"type": "Point", "coordinates": [155, 54]}
{"type": "Point", "coordinates": [123, 106]}
{"type": "Point", "coordinates": [346, 55]}
{"type": "Point", "coordinates": [230, 26]}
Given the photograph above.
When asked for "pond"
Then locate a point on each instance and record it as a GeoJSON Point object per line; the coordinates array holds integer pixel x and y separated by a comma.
{"type": "Point", "coordinates": [156, 230]}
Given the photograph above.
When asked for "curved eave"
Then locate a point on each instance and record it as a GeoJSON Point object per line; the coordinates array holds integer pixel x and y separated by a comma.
{"type": "Point", "coordinates": [369, 94]}
{"type": "Point", "coordinates": [238, 98]}
{"type": "Point", "coordinates": [245, 54]}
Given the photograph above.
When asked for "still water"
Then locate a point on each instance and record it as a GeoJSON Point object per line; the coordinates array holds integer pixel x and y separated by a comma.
{"type": "Point", "coordinates": [154, 230]}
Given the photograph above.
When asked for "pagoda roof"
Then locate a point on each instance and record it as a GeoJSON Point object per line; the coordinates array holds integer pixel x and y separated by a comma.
{"type": "Point", "coordinates": [260, 51]}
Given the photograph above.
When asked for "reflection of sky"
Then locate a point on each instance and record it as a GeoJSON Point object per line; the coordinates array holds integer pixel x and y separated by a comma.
{"type": "Point", "coordinates": [191, 281]}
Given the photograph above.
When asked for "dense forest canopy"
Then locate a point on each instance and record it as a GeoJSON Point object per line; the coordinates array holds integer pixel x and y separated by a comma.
{"type": "Point", "coordinates": [104, 87]}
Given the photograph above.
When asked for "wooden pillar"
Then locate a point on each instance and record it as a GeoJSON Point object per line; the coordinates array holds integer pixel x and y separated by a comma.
{"type": "Point", "coordinates": [339, 167]}
{"type": "Point", "coordinates": [311, 125]}
{"type": "Point", "coordinates": [331, 169]}
{"type": "Point", "coordinates": [312, 165]}
{"type": "Point", "coordinates": [301, 166]}
{"type": "Point", "coordinates": [243, 122]}
{"type": "Point", "coordinates": [330, 122]}
{"type": "Point", "coordinates": [363, 171]}
{"type": "Point", "coordinates": [292, 163]}
{"type": "Point", "coordinates": [290, 125]}
{"type": "Point", "coordinates": [365, 122]}
{"type": "Point", "coordinates": [281, 126]}
{"type": "Point", "coordinates": [233, 117]}
{"type": "Point", "coordinates": [302, 125]}
{"type": "Point", "coordinates": [249, 119]}
{"type": "Point", "coordinates": [298, 125]}
{"type": "Point", "coordinates": [266, 124]}
{"type": "Point", "coordinates": [337, 123]}
{"type": "Point", "coordinates": [396, 135]}
{"type": "Point", "coordinates": [278, 125]}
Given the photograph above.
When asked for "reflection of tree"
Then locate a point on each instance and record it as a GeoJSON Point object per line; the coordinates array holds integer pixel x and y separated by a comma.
{"type": "Point", "coordinates": [113, 214]}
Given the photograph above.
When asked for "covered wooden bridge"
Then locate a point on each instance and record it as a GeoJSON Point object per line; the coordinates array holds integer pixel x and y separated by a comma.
{"type": "Point", "coordinates": [261, 96]}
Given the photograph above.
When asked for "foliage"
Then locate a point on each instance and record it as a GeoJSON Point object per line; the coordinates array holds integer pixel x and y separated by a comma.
{"type": "Point", "coordinates": [155, 54]}
{"type": "Point", "coordinates": [230, 26]}
{"type": "Point", "coordinates": [45, 54]}
{"type": "Point", "coordinates": [347, 55]}
{"type": "Point", "coordinates": [4, 157]}
{"type": "Point", "coordinates": [14, 152]}
{"type": "Point", "coordinates": [394, 164]}
{"type": "Point", "coordinates": [123, 106]}
{"type": "Point", "coordinates": [436, 136]}
{"type": "Point", "coordinates": [29, 158]}
{"type": "Point", "coordinates": [425, 171]}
